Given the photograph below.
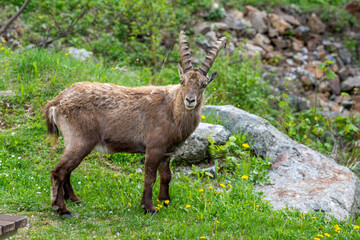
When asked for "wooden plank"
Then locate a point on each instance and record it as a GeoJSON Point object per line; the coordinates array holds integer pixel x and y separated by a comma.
{"type": "Point", "coordinates": [7, 226]}
{"type": "Point", "coordinates": [20, 221]}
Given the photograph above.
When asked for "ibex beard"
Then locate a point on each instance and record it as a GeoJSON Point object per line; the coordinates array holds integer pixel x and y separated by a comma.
{"type": "Point", "coordinates": [110, 118]}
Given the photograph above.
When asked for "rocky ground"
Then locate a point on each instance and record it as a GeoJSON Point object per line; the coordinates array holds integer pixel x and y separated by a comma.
{"type": "Point", "coordinates": [292, 44]}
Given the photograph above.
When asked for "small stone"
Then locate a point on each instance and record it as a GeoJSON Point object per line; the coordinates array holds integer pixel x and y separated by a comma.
{"type": "Point", "coordinates": [345, 55]}
{"type": "Point", "coordinates": [297, 44]}
{"type": "Point", "coordinates": [316, 25]}
{"type": "Point", "coordinates": [261, 39]}
{"type": "Point", "coordinates": [280, 43]}
{"type": "Point", "coordinates": [350, 83]}
{"type": "Point", "coordinates": [302, 32]}
{"type": "Point", "coordinates": [279, 23]}
{"type": "Point", "coordinates": [334, 85]}
{"type": "Point", "coordinates": [257, 19]}
{"type": "Point", "coordinates": [219, 26]}
{"type": "Point", "coordinates": [80, 54]}
{"type": "Point", "coordinates": [202, 28]}
{"type": "Point", "coordinates": [343, 73]}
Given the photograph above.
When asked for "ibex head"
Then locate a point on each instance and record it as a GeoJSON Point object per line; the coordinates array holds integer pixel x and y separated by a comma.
{"type": "Point", "coordinates": [194, 81]}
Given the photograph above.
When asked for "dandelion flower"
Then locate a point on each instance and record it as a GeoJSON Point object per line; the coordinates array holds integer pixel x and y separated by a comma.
{"type": "Point", "coordinates": [138, 77]}
{"type": "Point", "coordinates": [187, 206]}
{"type": "Point", "coordinates": [326, 234]}
{"type": "Point", "coordinates": [201, 190]}
{"type": "Point", "coordinates": [313, 217]}
{"type": "Point", "coordinates": [202, 117]}
{"type": "Point", "coordinates": [238, 105]}
{"type": "Point", "coordinates": [157, 208]}
{"type": "Point", "coordinates": [257, 206]}
{"type": "Point", "coordinates": [112, 68]}
{"type": "Point", "coordinates": [2, 48]}
{"type": "Point", "coordinates": [129, 204]}
{"type": "Point", "coordinates": [0, 44]}
{"type": "Point", "coordinates": [217, 222]}
{"type": "Point", "coordinates": [245, 145]}
{"type": "Point", "coordinates": [137, 59]}
{"type": "Point", "coordinates": [214, 89]}
{"type": "Point", "coordinates": [210, 187]}
{"type": "Point", "coordinates": [356, 227]}
{"type": "Point", "coordinates": [3, 41]}
{"type": "Point", "coordinates": [217, 192]}
{"type": "Point", "coordinates": [229, 185]}
{"type": "Point", "coordinates": [115, 175]}
{"type": "Point", "coordinates": [245, 177]}
{"type": "Point", "coordinates": [66, 54]}
{"type": "Point", "coordinates": [218, 168]}
{"type": "Point", "coordinates": [222, 185]}
{"type": "Point", "coordinates": [202, 237]}
{"type": "Point", "coordinates": [316, 238]}
{"type": "Point", "coordinates": [319, 235]}
{"type": "Point", "coordinates": [166, 201]}
{"type": "Point", "coordinates": [158, 200]}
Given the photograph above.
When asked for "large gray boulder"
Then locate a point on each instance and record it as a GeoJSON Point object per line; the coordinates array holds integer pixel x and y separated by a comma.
{"type": "Point", "coordinates": [195, 149]}
{"type": "Point", "coordinates": [301, 178]}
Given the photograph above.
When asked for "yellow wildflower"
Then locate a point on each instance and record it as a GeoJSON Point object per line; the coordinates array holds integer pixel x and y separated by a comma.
{"type": "Point", "coordinates": [115, 175]}
{"type": "Point", "coordinates": [157, 208]}
{"type": "Point", "coordinates": [158, 200]}
{"type": "Point", "coordinates": [222, 185]}
{"type": "Point", "coordinates": [187, 206]}
{"type": "Point", "coordinates": [217, 192]}
{"type": "Point", "coordinates": [0, 43]}
{"type": "Point", "coordinates": [313, 217]}
{"type": "Point", "coordinates": [112, 68]}
{"type": "Point", "coordinates": [356, 227]}
{"type": "Point", "coordinates": [218, 168]}
{"type": "Point", "coordinates": [214, 89]}
{"type": "Point", "coordinates": [201, 190]}
{"type": "Point", "coordinates": [202, 237]}
{"type": "Point", "coordinates": [66, 54]}
{"type": "Point", "coordinates": [129, 204]}
{"type": "Point", "coordinates": [3, 41]}
{"type": "Point", "coordinates": [210, 187]}
{"type": "Point", "coordinates": [137, 59]}
{"type": "Point", "coordinates": [217, 221]}
{"type": "Point", "coordinates": [326, 234]}
{"type": "Point", "coordinates": [229, 185]}
{"type": "Point", "coordinates": [257, 206]}
{"type": "Point", "coordinates": [166, 201]}
{"type": "Point", "coordinates": [319, 235]}
{"type": "Point", "coordinates": [138, 77]}
{"type": "Point", "coordinates": [245, 145]}
{"type": "Point", "coordinates": [316, 238]}
{"type": "Point", "coordinates": [244, 177]}
{"type": "Point", "coordinates": [2, 48]}
{"type": "Point", "coordinates": [238, 105]}
{"type": "Point", "coordinates": [202, 117]}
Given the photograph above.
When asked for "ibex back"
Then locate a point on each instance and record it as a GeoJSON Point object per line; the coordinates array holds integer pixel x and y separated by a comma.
{"type": "Point", "coordinates": [110, 118]}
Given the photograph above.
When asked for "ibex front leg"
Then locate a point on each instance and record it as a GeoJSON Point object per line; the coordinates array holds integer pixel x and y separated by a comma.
{"type": "Point", "coordinates": [165, 178]}
{"type": "Point", "coordinates": [152, 161]}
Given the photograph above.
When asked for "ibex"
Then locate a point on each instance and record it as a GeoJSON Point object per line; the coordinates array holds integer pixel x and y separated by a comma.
{"type": "Point", "coordinates": [154, 120]}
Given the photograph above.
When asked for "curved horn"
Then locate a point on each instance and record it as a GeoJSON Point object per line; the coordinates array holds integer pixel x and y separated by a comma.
{"type": "Point", "coordinates": [211, 56]}
{"type": "Point", "coordinates": [184, 52]}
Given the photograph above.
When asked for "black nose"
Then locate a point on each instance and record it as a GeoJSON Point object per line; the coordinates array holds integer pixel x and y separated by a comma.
{"type": "Point", "coordinates": [190, 100]}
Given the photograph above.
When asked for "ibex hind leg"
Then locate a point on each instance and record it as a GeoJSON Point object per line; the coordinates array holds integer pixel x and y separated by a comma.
{"type": "Point", "coordinates": [60, 175]}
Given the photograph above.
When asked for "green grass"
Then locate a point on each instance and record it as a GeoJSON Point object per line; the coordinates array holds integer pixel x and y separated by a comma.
{"type": "Point", "coordinates": [110, 186]}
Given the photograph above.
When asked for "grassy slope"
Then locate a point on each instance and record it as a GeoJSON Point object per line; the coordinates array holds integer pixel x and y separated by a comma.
{"type": "Point", "coordinates": [110, 186]}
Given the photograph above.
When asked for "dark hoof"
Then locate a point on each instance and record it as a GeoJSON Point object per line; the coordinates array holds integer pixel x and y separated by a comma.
{"type": "Point", "coordinates": [67, 216]}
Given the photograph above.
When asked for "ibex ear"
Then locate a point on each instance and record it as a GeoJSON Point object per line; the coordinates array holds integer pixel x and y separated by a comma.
{"type": "Point", "coordinates": [212, 77]}
{"type": "Point", "coordinates": [181, 74]}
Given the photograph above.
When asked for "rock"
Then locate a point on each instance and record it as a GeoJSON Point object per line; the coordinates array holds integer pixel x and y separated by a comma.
{"type": "Point", "coordinates": [80, 54]}
{"type": "Point", "coordinates": [202, 28]}
{"type": "Point", "coordinates": [350, 83]}
{"type": "Point", "coordinates": [249, 33]}
{"type": "Point", "coordinates": [7, 93]}
{"type": "Point", "coordinates": [236, 14]}
{"type": "Point", "coordinates": [261, 39]}
{"type": "Point", "coordinates": [299, 59]}
{"type": "Point", "coordinates": [345, 55]}
{"type": "Point", "coordinates": [343, 73]}
{"type": "Point", "coordinates": [357, 105]}
{"type": "Point", "coordinates": [353, 7]}
{"type": "Point", "coordinates": [257, 19]}
{"type": "Point", "coordinates": [289, 18]}
{"type": "Point", "coordinates": [280, 43]}
{"type": "Point", "coordinates": [252, 50]}
{"type": "Point", "coordinates": [334, 85]}
{"type": "Point", "coordinates": [211, 36]}
{"type": "Point", "coordinates": [296, 44]}
{"type": "Point", "coordinates": [279, 23]}
{"type": "Point", "coordinates": [219, 26]}
{"type": "Point", "coordinates": [195, 148]}
{"type": "Point", "coordinates": [302, 32]}
{"type": "Point", "coordinates": [298, 103]}
{"type": "Point", "coordinates": [313, 67]}
{"type": "Point", "coordinates": [304, 75]}
{"type": "Point", "coordinates": [237, 25]}
{"type": "Point", "coordinates": [316, 25]}
{"type": "Point", "coordinates": [272, 33]}
{"type": "Point", "coordinates": [301, 178]}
